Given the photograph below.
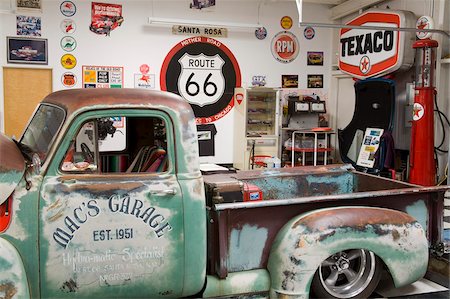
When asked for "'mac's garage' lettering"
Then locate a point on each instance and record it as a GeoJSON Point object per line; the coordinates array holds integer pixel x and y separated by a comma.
{"type": "Point", "coordinates": [367, 43]}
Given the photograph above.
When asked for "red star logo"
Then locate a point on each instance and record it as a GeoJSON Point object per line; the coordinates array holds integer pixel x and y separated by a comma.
{"type": "Point", "coordinates": [416, 111]}
{"type": "Point", "coordinates": [364, 64]}
{"type": "Point", "coordinates": [422, 25]}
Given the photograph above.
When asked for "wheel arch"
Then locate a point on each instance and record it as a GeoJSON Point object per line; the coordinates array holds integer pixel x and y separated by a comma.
{"type": "Point", "coordinates": [308, 239]}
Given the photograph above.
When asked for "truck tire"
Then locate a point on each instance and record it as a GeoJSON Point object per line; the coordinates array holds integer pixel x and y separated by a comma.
{"type": "Point", "coordinates": [347, 274]}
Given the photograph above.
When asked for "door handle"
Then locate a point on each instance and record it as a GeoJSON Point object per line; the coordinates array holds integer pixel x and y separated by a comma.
{"type": "Point", "coordinates": [69, 181]}
{"type": "Point", "coordinates": [164, 192]}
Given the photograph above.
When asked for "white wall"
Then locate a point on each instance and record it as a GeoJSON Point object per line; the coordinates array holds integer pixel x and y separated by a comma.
{"type": "Point", "coordinates": [135, 43]}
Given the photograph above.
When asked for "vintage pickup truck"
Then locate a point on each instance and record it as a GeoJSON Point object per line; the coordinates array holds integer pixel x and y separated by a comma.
{"type": "Point", "coordinates": [103, 196]}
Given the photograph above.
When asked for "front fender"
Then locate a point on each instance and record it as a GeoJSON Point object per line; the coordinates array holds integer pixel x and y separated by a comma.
{"type": "Point", "coordinates": [13, 279]}
{"type": "Point", "coordinates": [308, 239]}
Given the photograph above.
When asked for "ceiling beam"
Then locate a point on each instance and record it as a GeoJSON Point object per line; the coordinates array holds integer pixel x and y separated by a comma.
{"type": "Point", "coordinates": [351, 6]}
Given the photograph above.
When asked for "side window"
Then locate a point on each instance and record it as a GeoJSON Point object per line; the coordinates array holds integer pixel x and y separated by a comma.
{"type": "Point", "coordinates": [81, 153]}
{"type": "Point", "coordinates": [119, 145]}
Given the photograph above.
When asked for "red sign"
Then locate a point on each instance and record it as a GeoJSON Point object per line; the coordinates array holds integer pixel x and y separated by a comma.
{"type": "Point", "coordinates": [368, 53]}
{"type": "Point", "coordinates": [205, 73]}
{"type": "Point", "coordinates": [285, 46]}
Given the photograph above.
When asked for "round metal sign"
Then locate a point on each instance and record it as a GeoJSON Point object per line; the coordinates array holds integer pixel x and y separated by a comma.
{"type": "Point", "coordinates": [204, 72]}
{"type": "Point", "coordinates": [285, 46]}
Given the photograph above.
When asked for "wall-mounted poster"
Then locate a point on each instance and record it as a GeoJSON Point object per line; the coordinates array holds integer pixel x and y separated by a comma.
{"type": "Point", "coordinates": [200, 4]}
{"type": "Point", "coordinates": [204, 72]}
{"type": "Point", "coordinates": [29, 5]}
{"type": "Point", "coordinates": [289, 81]}
{"type": "Point", "coordinates": [27, 50]}
{"type": "Point", "coordinates": [102, 76]}
{"type": "Point", "coordinates": [27, 25]}
{"type": "Point", "coordinates": [369, 147]}
{"type": "Point", "coordinates": [105, 18]}
{"type": "Point", "coordinates": [315, 81]}
{"type": "Point", "coordinates": [315, 58]}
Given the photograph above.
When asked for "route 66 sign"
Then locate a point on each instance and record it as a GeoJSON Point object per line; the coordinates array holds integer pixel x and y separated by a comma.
{"type": "Point", "coordinates": [204, 72]}
{"type": "Point", "coordinates": [201, 68]}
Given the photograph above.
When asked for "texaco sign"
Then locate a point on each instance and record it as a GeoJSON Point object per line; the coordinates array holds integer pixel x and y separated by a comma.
{"type": "Point", "coordinates": [204, 72]}
{"type": "Point", "coordinates": [368, 53]}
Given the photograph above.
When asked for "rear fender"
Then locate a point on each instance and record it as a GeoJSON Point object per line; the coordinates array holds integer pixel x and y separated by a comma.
{"type": "Point", "coordinates": [307, 240]}
{"type": "Point", "coordinates": [13, 279]}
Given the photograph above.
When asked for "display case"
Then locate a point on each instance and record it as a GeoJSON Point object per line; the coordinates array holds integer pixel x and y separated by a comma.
{"type": "Point", "coordinates": [256, 125]}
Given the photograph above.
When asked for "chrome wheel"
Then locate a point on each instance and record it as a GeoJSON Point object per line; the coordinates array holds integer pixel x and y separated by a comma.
{"type": "Point", "coordinates": [348, 273]}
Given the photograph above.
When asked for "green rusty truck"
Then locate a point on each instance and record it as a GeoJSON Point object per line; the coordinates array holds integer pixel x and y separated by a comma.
{"type": "Point", "coordinates": [103, 196]}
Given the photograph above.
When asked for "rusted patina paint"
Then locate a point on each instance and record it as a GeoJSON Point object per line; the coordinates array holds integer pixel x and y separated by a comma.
{"type": "Point", "coordinates": [307, 240]}
{"type": "Point", "coordinates": [354, 218]}
{"type": "Point", "coordinates": [12, 167]}
{"type": "Point", "coordinates": [8, 289]}
{"type": "Point", "coordinates": [13, 279]}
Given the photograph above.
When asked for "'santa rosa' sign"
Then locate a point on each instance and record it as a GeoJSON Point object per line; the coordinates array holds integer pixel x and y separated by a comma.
{"type": "Point", "coordinates": [368, 53]}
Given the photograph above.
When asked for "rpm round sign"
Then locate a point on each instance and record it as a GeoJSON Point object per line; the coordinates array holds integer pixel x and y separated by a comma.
{"type": "Point", "coordinates": [204, 72]}
{"type": "Point", "coordinates": [285, 47]}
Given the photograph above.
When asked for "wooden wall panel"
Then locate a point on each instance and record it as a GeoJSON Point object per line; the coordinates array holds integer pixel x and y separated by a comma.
{"type": "Point", "coordinates": [23, 89]}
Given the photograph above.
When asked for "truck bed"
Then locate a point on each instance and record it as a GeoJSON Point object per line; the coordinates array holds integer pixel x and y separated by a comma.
{"type": "Point", "coordinates": [240, 234]}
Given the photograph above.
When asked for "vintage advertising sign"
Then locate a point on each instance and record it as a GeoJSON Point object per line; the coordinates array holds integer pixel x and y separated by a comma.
{"type": "Point", "coordinates": [68, 8]}
{"type": "Point", "coordinates": [105, 18]}
{"type": "Point", "coordinates": [285, 47]}
{"type": "Point", "coordinates": [368, 53]}
{"type": "Point", "coordinates": [261, 33]}
{"type": "Point", "coordinates": [309, 32]}
{"type": "Point", "coordinates": [68, 61]}
{"type": "Point", "coordinates": [204, 72]}
{"type": "Point", "coordinates": [69, 79]}
{"type": "Point", "coordinates": [102, 76]}
{"type": "Point", "coordinates": [199, 30]}
{"type": "Point", "coordinates": [424, 22]}
{"type": "Point", "coordinates": [68, 26]}
{"type": "Point", "coordinates": [286, 22]}
{"type": "Point", "coordinates": [68, 43]}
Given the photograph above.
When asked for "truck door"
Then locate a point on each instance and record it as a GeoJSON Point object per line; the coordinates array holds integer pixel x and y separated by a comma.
{"type": "Point", "coordinates": [111, 209]}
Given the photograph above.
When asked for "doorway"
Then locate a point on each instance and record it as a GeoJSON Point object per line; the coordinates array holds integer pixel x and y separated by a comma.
{"type": "Point", "coordinates": [23, 89]}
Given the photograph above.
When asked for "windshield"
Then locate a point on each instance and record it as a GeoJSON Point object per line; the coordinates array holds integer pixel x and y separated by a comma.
{"type": "Point", "coordinates": [44, 125]}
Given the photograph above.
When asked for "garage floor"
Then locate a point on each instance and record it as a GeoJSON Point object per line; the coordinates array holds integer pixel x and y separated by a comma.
{"type": "Point", "coordinates": [423, 288]}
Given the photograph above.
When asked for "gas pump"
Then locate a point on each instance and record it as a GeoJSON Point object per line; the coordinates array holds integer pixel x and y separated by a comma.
{"type": "Point", "coordinates": [421, 161]}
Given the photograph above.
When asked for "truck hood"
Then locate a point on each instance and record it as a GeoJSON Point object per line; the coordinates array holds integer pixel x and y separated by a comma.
{"type": "Point", "coordinates": [12, 167]}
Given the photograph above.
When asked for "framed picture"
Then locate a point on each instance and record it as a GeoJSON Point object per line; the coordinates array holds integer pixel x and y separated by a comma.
{"type": "Point", "coordinates": [289, 81]}
{"type": "Point", "coordinates": [315, 81]}
{"type": "Point", "coordinates": [27, 50]}
{"type": "Point", "coordinates": [315, 58]}
{"type": "Point", "coordinates": [35, 5]}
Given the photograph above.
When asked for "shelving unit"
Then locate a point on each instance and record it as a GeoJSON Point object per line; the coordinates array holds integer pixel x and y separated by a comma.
{"type": "Point", "coordinates": [256, 125]}
{"type": "Point", "coordinates": [314, 148]}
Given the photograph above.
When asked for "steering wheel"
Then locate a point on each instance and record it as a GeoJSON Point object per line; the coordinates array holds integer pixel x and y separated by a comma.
{"type": "Point", "coordinates": [88, 155]}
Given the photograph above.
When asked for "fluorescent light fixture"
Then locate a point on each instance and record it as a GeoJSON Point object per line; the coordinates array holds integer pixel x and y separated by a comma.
{"type": "Point", "coordinates": [299, 9]}
{"type": "Point", "coordinates": [167, 21]}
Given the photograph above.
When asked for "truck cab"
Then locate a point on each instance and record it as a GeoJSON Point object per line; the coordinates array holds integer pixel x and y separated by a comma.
{"type": "Point", "coordinates": [100, 209]}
